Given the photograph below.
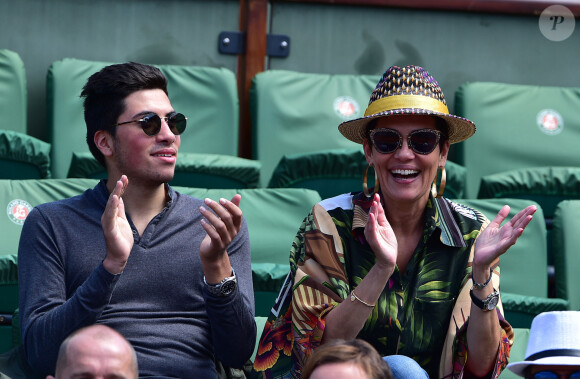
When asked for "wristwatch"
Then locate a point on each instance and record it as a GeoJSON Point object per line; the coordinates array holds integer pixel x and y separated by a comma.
{"type": "Point", "coordinates": [224, 288]}
{"type": "Point", "coordinates": [487, 304]}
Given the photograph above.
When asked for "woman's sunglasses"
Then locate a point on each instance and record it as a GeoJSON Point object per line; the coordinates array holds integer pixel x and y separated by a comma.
{"type": "Point", "coordinates": [151, 123]}
{"type": "Point", "coordinates": [421, 141]}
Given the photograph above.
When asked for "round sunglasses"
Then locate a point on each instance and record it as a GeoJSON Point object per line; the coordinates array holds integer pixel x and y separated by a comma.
{"type": "Point", "coordinates": [151, 123]}
{"type": "Point", "coordinates": [421, 141]}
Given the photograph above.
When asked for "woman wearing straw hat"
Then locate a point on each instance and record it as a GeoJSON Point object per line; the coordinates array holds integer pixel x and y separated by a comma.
{"type": "Point", "coordinates": [414, 274]}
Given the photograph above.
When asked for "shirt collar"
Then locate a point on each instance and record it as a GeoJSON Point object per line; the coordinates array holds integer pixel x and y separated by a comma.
{"type": "Point", "coordinates": [438, 215]}
{"type": "Point", "coordinates": [103, 191]}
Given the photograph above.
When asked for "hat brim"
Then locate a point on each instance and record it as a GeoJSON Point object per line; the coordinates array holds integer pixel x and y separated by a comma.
{"type": "Point", "coordinates": [520, 367]}
{"type": "Point", "coordinates": [459, 128]}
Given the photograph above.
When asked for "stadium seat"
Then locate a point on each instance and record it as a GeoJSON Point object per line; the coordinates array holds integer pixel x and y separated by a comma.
{"type": "Point", "coordinates": [191, 170]}
{"type": "Point", "coordinates": [524, 267]}
{"type": "Point", "coordinates": [293, 112]}
{"type": "Point", "coordinates": [206, 95]}
{"type": "Point", "coordinates": [23, 156]}
{"type": "Point", "coordinates": [19, 197]}
{"type": "Point", "coordinates": [337, 171]}
{"type": "Point", "coordinates": [13, 100]}
{"type": "Point", "coordinates": [260, 323]}
{"type": "Point", "coordinates": [566, 245]}
{"type": "Point", "coordinates": [9, 296]}
{"type": "Point", "coordinates": [547, 186]}
{"type": "Point", "coordinates": [456, 176]}
{"type": "Point", "coordinates": [273, 217]}
{"type": "Point", "coordinates": [329, 172]}
{"type": "Point", "coordinates": [518, 126]}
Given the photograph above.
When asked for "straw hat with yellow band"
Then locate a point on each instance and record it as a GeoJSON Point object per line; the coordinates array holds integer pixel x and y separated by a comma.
{"type": "Point", "coordinates": [407, 90]}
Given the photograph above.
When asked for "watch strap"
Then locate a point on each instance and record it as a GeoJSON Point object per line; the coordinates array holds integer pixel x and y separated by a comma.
{"type": "Point", "coordinates": [483, 304]}
{"type": "Point", "coordinates": [223, 287]}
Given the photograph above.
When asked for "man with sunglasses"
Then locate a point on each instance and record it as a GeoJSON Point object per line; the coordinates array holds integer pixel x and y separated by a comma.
{"type": "Point", "coordinates": [170, 272]}
{"type": "Point", "coordinates": [553, 350]}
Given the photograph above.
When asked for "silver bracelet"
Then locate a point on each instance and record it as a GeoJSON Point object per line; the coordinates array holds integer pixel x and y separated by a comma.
{"type": "Point", "coordinates": [479, 285]}
{"type": "Point", "coordinates": [353, 296]}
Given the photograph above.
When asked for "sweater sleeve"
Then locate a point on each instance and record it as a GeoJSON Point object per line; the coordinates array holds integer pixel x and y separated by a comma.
{"type": "Point", "coordinates": [233, 328]}
{"type": "Point", "coordinates": [48, 313]}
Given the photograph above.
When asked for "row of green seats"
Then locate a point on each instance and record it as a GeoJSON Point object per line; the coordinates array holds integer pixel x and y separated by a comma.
{"type": "Point", "coordinates": [294, 119]}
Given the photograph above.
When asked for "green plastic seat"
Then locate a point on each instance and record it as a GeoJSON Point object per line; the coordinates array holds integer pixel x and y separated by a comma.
{"type": "Point", "coordinates": [260, 323]}
{"type": "Point", "coordinates": [547, 186]}
{"type": "Point", "coordinates": [336, 171]}
{"type": "Point", "coordinates": [566, 242]}
{"type": "Point", "coordinates": [329, 172]}
{"type": "Point", "coordinates": [23, 156]}
{"type": "Point", "coordinates": [273, 217]}
{"type": "Point", "coordinates": [13, 101]}
{"type": "Point", "coordinates": [9, 299]}
{"type": "Point", "coordinates": [191, 170]}
{"type": "Point", "coordinates": [206, 95]}
{"type": "Point", "coordinates": [18, 197]}
{"type": "Point", "coordinates": [524, 267]}
{"type": "Point", "coordinates": [294, 112]}
{"type": "Point", "coordinates": [518, 126]}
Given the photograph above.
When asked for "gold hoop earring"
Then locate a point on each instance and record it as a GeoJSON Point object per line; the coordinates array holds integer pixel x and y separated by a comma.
{"type": "Point", "coordinates": [365, 186]}
{"type": "Point", "coordinates": [434, 192]}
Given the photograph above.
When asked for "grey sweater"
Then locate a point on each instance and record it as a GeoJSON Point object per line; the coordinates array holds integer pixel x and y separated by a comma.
{"type": "Point", "coordinates": [158, 302]}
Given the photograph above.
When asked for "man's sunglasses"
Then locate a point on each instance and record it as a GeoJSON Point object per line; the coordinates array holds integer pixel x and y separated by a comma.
{"type": "Point", "coordinates": [151, 123]}
{"type": "Point", "coordinates": [553, 375]}
{"type": "Point", "coordinates": [421, 141]}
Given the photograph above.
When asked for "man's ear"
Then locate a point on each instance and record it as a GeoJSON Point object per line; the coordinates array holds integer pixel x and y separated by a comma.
{"type": "Point", "coordinates": [104, 142]}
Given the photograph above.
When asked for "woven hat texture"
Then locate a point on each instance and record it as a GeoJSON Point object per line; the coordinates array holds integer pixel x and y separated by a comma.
{"type": "Point", "coordinates": [403, 91]}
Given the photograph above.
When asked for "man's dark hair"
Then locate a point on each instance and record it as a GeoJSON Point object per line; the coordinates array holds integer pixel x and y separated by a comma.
{"type": "Point", "coordinates": [105, 93]}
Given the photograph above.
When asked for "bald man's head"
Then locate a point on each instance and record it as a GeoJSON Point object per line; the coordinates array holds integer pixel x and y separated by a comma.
{"type": "Point", "coordinates": [96, 352]}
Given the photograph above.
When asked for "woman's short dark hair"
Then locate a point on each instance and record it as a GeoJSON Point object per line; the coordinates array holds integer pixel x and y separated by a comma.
{"type": "Point", "coordinates": [105, 93]}
{"type": "Point", "coordinates": [356, 351]}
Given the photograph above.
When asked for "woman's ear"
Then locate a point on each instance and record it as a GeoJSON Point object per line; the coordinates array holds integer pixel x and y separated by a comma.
{"type": "Point", "coordinates": [443, 153]}
{"type": "Point", "coordinates": [368, 151]}
{"type": "Point", "coordinates": [104, 142]}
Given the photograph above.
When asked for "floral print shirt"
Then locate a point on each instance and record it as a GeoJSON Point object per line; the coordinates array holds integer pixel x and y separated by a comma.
{"type": "Point", "coordinates": [422, 312]}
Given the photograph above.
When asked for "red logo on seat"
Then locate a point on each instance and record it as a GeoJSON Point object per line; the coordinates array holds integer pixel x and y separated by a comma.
{"type": "Point", "coordinates": [18, 210]}
{"type": "Point", "coordinates": [550, 122]}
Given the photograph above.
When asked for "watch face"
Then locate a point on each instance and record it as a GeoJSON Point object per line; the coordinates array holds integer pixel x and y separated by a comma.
{"type": "Point", "coordinates": [228, 287]}
{"type": "Point", "coordinates": [492, 303]}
